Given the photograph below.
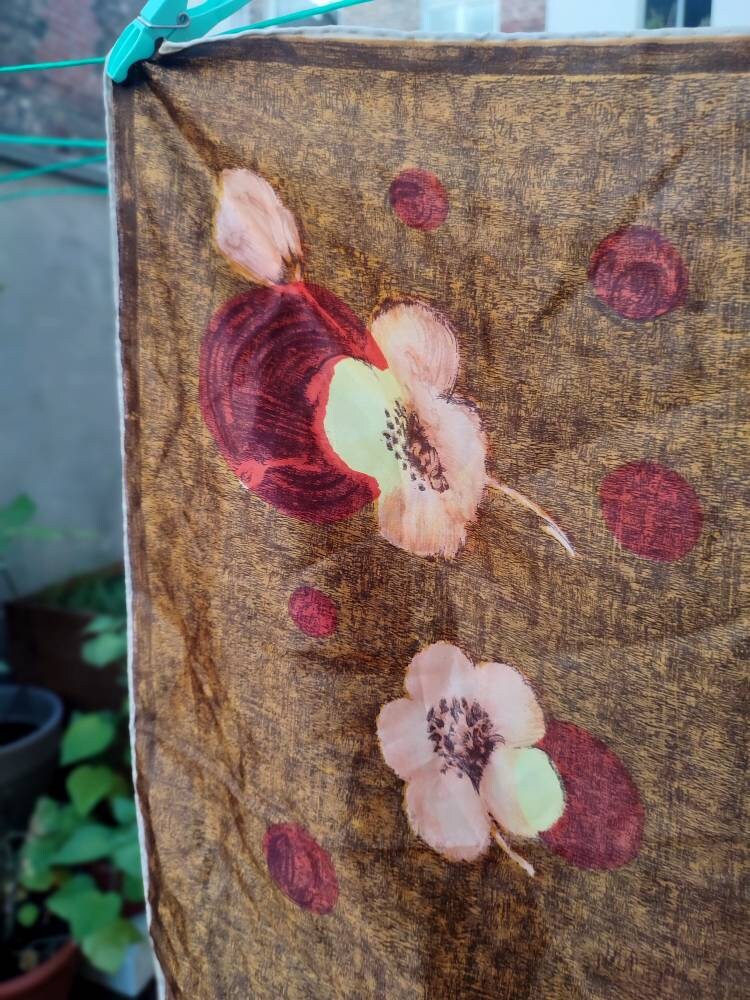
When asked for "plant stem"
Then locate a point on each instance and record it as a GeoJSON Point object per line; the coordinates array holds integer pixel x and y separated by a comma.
{"type": "Point", "coordinates": [505, 847]}
{"type": "Point", "coordinates": [550, 527]}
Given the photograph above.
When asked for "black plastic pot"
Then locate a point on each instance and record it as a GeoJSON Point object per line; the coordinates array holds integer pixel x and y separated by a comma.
{"type": "Point", "coordinates": [30, 725]}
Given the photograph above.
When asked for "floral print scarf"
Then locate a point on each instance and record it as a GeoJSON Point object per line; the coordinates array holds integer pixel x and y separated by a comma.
{"type": "Point", "coordinates": [433, 382]}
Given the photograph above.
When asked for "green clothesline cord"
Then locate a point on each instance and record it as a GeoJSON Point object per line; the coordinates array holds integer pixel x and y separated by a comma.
{"type": "Point", "coordinates": [269, 23]}
{"type": "Point", "coordinates": [45, 192]}
{"type": "Point", "coordinates": [64, 64]}
{"type": "Point", "coordinates": [294, 16]}
{"type": "Point", "coordinates": [50, 168]}
{"type": "Point", "coordinates": [51, 140]}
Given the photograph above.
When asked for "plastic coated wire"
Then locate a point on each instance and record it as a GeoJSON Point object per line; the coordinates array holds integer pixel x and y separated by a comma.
{"type": "Point", "coordinates": [51, 140]}
{"type": "Point", "coordinates": [285, 18]}
{"type": "Point", "coordinates": [63, 64]}
{"type": "Point", "coordinates": [50, 168]}
{"type": "Point", "coordinates": [269, 23]}
{"type": "Point", "coordinates": [46, 192]}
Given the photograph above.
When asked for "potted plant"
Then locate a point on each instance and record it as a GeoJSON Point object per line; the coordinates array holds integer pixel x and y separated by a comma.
{"type": "Point", "coordinates": [37, 957]}
{"type": "Point", "coordinates": [80, 860]}
{"type": "Point", "coordinates": [30, 726]}
{"type": "Point", "coordinates": [45, 629]}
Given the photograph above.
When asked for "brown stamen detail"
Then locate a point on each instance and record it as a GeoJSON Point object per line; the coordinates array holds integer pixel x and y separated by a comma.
{"type": "Point", "coordinates": [417, 456]}
{"type": "Point", "coordinates": [462, 735]}
{"type": "Point", "coordinates": [422, 455]}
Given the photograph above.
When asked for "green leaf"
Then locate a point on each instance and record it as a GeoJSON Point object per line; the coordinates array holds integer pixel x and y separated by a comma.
{"type": "Point", "coordinates": [105, 948]}
{"type": "Point", "coordinates": [88, 784]}
{"type": "Point", "coordinates": [127, 858]}
{"type": "Point", "coordinates": [71, 889]}
{"type": "Point", "coordinates": [16, 514]}
{"type": "Point", "coordinates": [84, 907]}
{"type": "Point", "coordinates": [88, 843]}
{"type": "Point", "coordinates": [86, 736]}
{"type": "Point", "coordinates": [46, 817]}
{"type": "Point", "coordinates": [123, 809]}
{"type": "Point", "coordinates": [36, 872]}
{"type": "Point", "coordinates": [105, 623]}
{"type": "Point", "coordinates": [28, 914]}
{"type": "Point", "coordinates": [132, 889]}
{"type": "Point", "coordinates": [105, 648]}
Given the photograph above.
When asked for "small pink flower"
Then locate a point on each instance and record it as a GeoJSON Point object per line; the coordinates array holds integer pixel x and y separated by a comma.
{"type": "Point", "coordinates": [254, 229]}
{"type": "Point", "coordinates": [463, 740]}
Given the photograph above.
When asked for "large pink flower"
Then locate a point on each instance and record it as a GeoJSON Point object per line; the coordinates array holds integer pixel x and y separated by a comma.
{"type": "Point", "coordinates": [463, 740]}
{"type": "Point", "coordinates": [402, 426]}
{"type": "Point", "coordinates": [318, 415]}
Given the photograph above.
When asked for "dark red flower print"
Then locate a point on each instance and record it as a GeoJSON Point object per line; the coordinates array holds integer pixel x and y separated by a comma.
{"type": "Point", "coordinates": [651, 510]}
{"type": "Point", "coordinates": [301, 868]}
{"type": "Point", "coordinates": [313, 612]}
{"type": "Point", "coordinates": [638, 274]}
{"type": "Point", "coordinates": [419, 199]}
{"type": "Point", "coordinates": [602, 825]}
{"type": "Point", "coordinates": [262, 361]}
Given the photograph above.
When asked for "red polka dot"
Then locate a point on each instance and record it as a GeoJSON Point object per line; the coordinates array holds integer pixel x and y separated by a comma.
{"type": "Point", "coordinates": [602, 826]}
{"type": "Point", "coordinates": [301, 868]}
{"type": "Point", "coordinates": [638, 274]}
{"type": "Point", "coordinates": [313, 612]}
{"type": "Point", "coordinates": [419, 199]}
{"type": "Point", "coordinates": [651, 510]}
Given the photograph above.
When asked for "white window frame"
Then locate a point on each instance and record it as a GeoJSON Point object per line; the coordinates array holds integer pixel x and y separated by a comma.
{"type": "Point", "coordinates": [460, 6]}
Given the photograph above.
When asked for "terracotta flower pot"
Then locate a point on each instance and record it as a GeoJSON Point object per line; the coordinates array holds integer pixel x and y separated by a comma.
{"type": "Point", "coordinates": [52, 980]}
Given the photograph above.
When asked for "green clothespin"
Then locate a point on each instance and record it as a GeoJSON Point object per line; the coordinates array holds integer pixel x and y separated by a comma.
{"type": "Point", "coordinates": [162, 20]}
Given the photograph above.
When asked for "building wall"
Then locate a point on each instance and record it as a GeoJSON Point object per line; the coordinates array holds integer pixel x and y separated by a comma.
{"type": "Point", "coordinates": [58, 385]}
{"type": "Point", "coordinates": [570, 16]}
{"type": "Point", "coordinates": [404, 15]}
{"type": "Point", "coordinates": [730, 13]}
{"type": "Point", "coordinates": [522, 15]}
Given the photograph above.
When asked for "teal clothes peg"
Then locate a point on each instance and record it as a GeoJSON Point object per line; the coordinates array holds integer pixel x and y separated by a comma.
{"type": "Point", "coordinates": [168, 20]}
{"type": "Point", "coordinates": [162, 20]}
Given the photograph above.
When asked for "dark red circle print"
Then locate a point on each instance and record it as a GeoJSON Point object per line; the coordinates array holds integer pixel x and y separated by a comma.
{"type": "Point", "coordinates": [419, 199]}
{"type": "Point", "coordinates": [300, 867]}
{"type": "Point", "coordinates": [651, 510]}
{"type": "Point", "coordinates": [602, 825]}
{"type": "Point", "coordinates": [638, 274]}
{"type": "Point", "coordinates": [313, 612]}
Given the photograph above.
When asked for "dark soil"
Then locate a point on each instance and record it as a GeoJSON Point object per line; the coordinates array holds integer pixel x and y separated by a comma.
{"type": "Point", "coordinates": [12, 731]}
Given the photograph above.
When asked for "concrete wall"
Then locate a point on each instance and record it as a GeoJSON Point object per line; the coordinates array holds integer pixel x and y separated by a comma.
{"type": "Point", "coordinates": [58, 391]}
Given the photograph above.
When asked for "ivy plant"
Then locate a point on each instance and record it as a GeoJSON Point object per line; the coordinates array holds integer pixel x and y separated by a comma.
{"type": "Point", "coordinates": [80, 859]}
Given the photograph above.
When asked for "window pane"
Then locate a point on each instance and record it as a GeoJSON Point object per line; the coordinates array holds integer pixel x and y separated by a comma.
{"type": "Point", "coordinates": [479, 17]}
{"type": "Point", "coordinates": [697, 13]}
{"type": "Point", "coordinates": [660, 14]}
